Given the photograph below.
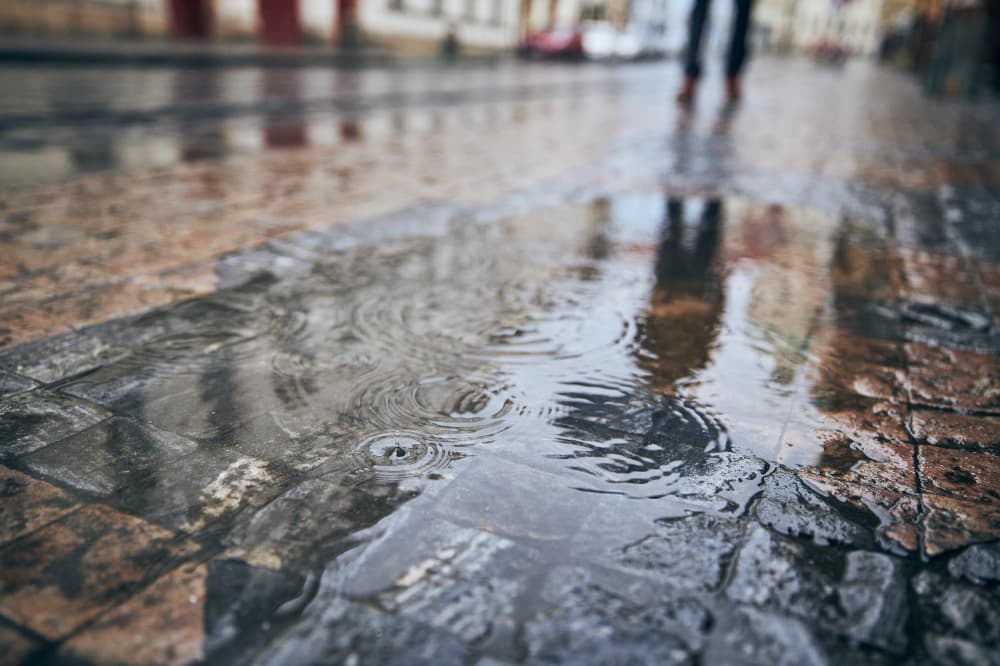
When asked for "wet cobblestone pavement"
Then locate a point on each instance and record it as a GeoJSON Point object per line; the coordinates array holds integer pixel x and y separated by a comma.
{"type": "Point", "coordinates": [501, 378]}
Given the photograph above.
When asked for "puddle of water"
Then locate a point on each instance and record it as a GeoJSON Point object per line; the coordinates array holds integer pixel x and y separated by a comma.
{"type": "Point", "coordinates": [618, 345]}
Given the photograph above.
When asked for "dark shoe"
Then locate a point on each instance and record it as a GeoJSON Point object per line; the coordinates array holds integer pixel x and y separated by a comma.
{"type": "Point", "coordinates": [686, 94]}
{"type": "Point", "coordinates": [734, 91]}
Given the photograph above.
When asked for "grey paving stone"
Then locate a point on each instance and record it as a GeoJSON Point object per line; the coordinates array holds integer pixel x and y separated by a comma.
{"type": "Point", "coordinates": [29, 421]}
{"type": "Point", "coordinates": [685, 553]}
{"type": "Point", "coordinates": [581, 621]}
{"type": "Point", "coordinates": [11, 383]}
{"type": "Point", "coordinates": [979, 563]}
{"type": "Point", "coordinates": [872, 595]}
{"type": "Point", "coordinates": [108, 456]}
{"type": "Point", "coordinates": [62, 356]}
{"type": "Point", "coordinates": [771, 572]}
{"type": "Point", "coordinates": [958, 610]}
{"type": "Point", "coordinates": [752, 636]}
{"type": "Point", "coordinates": [340, 631]}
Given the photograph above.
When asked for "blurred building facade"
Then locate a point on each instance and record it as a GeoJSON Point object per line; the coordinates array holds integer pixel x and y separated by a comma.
{"type": "Point", "coordinates": [411, 25]}
{"type": "Point", "coordinates": [854, 25]}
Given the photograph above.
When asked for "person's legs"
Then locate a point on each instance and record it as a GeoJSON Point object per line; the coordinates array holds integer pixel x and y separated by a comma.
{"type": "Point", "coordinates": [738, 47]}
{"type": "Point", "coordinates": [692, 58]}
{"type": "Point", "coordinates": [696, 28]}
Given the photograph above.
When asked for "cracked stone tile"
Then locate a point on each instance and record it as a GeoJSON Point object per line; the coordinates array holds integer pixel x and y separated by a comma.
{"type": "Point", "coordinates": [29, 421]}
{"type": "Point", "coordinates": [111, 455]}
{"type": "Point", "coordinates": [28, 504]}
{"type": "Point", "coordinates": [955, 379]}
{"type": "Point", "coordinates": [17, 647]}
{"type": "Point", "coordinates": [163, 624]}
{"type": "Point", "coordinates": [963, 475]}
{"type": "Point", "coordinates": [952, 523]}
{"type": "Point", "coordinates": [897, 514]}
{"type": "Point", "coordinates": [953, 429]}
{"type": "Point", "coordinates": [58, 578]}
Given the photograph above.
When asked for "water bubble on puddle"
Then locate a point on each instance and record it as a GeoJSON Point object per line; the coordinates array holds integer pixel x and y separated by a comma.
{"type": "Point", "coordinates": [396, 456]}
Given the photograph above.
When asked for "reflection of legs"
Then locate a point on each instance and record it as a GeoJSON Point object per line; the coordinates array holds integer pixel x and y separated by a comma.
{"type": "Point", "coordinates": [738, 47]}
{"type": "Point", "coordinates": [707, 240]}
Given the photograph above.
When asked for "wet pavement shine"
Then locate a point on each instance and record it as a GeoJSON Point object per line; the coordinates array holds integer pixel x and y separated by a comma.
{"type": "Point", "coordinates": [479, 375]}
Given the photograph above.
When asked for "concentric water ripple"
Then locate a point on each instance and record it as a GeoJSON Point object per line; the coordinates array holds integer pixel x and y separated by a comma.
{"type": "Point", "coordinates": [399, 455]}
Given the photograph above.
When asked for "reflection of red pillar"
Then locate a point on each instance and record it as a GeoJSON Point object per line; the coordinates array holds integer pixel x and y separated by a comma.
{"type": "Point", "coordinates": [190, 19]}
{"type": "Point", "coordinates": [284, 127]}
{"type": "Point", "coordinates": [279, 22]}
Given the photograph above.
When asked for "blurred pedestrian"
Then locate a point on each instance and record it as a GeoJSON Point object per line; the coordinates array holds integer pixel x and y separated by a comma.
{"type": "Point", "coordinates": [735, 57]}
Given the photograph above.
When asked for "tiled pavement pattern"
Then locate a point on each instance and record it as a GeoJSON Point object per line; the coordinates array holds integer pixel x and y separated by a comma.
{"type": "Point", "coordinates": [511, 416]}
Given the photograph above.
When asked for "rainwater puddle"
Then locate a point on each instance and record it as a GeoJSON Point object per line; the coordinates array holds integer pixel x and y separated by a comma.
{"type": "Point", "coordinates": [643, 346]}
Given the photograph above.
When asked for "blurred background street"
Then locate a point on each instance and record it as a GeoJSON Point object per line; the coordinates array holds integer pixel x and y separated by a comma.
{"type": "Point", "coordinates": [441, 333]}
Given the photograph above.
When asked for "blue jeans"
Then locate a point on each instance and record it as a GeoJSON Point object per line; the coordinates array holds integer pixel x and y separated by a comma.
{"type": "Point", "coordinates": [737, 46]}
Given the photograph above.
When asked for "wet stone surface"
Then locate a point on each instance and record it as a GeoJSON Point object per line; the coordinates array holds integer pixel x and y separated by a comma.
{"type": "Point", "coordinates": [693, 396]}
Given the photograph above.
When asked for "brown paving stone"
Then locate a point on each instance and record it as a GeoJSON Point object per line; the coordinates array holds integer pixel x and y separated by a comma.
{"type": "Point", "coordinates": [964, 380]}
{"type": "Point", "coordinates": [859, 417]}
{"type": "Point", "coordinates": [956, 430]}
{"type": "Point", "coordinates": [164, 624]}
{"type": "Point", "coordinates": [940, 278]}
{"type": "Point", "coordinates": [951, 523]}
{"type": "Point", "coordinates": [879, 465]}
{"type": "Point", "coordinates": [15, 647]}
{"type": "Point", "coordinates": [27, 504]}
{"type": "Point", "coordinates": [58, 578]}
{"type": "Point", "coordinates": [897, 513]}
{"type": "Point", "coordinates": [110, 229]}
{"type": "Point", "coordinates": [866, 273]}
{"type": "Point", "coordinates": [963, 475]}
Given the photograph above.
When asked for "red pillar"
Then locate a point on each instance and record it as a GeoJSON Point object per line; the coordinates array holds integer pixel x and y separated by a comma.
{"type": "Point", "coordinates": [345, 31]}
{"type": "Point", "coordinates": [279, 23]}
{"type": "Point", "coordinates": [190, 19]}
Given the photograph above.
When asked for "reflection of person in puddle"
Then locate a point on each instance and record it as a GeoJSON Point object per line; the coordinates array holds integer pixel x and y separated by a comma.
{"type": "Point", "coordinates": [686, 304]}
